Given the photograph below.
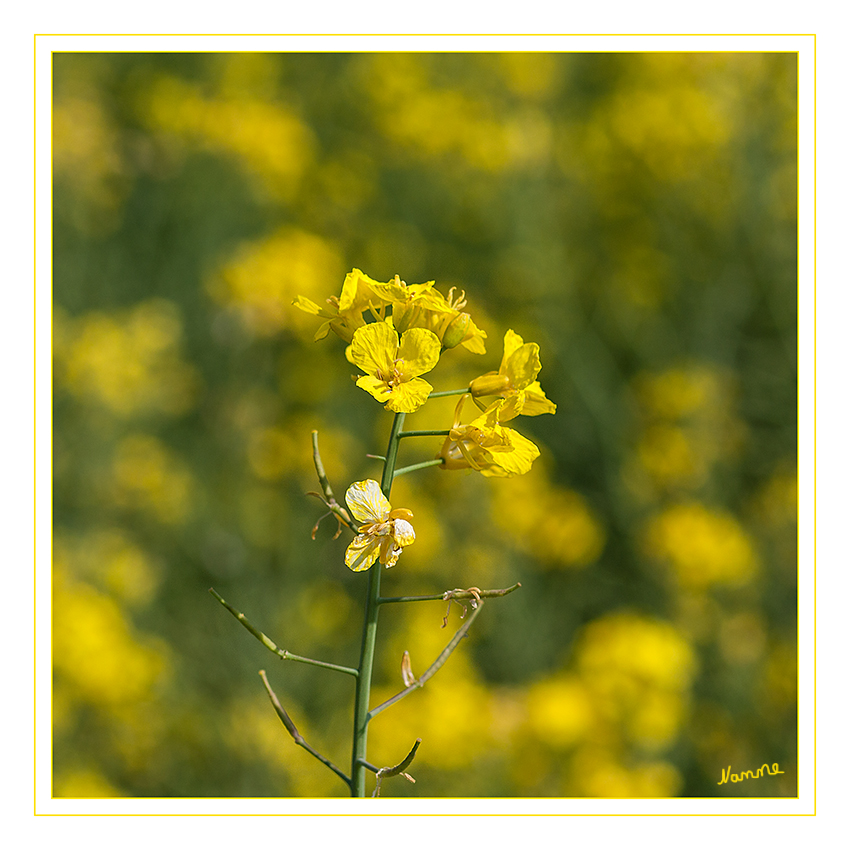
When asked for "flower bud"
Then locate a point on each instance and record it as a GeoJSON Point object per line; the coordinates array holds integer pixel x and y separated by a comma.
{"type": "Point", "coordinates": [456, 330]}
{"type": "Point", "coordinates": [403, 316]}
{"type": "Point", "coordinates": [490, 384]}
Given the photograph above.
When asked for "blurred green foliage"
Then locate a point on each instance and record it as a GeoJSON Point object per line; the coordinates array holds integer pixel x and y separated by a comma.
{"type": "Point", "coordinates": [634, 214]}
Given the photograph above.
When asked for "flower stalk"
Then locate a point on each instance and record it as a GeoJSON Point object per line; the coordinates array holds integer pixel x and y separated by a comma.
{"type": "Point", "coordinates": [396, 334]}
{"type": "Point", "coordinates": [370, 632]}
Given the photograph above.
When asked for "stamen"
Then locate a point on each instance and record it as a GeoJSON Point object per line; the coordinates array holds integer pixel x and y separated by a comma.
{"type": "Point", "coordinates": [460, 303]}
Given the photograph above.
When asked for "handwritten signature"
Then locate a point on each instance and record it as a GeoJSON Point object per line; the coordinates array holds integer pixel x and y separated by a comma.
{"type": "Point", "coordinates": [727, 775]}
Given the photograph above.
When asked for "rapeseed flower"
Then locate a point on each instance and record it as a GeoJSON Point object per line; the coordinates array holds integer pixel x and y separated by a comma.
{"type": "Point", "coordinates": [344, 315]}
{"type": "Point", "coordinates": [384, 531]}
{"type": "Point", "coordinates": [393, 365]}
{"type": "Point", "coordinates": [422, 306]}
{"type": "Point", "coordinates": [516, 380]}
{"type": "Point", "coordinates": [486, 446]}
{"type": "Point", "coordinates": [417, 305]}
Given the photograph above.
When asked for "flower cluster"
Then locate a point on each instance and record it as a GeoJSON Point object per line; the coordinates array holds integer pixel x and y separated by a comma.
{"type": "Point", "coordinates": [417, 306]}
{"type": "Point", "coordinates": [396, 333]}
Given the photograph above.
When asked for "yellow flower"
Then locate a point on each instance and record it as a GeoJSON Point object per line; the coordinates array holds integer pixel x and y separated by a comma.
{"type": "Point", "coordinates": [393, 367]}
{"type": "Point", "coordinates": [486, 446]}
{"type": "Point", "coordinates": [345, 314]}
{"type": "Point", "coordinates": [516, 380]}
{"type": "Point", "coordinates": [422, 306]}
{"type": "Point", "coordinates": [384, 532]}
{"type": "Point", "coordinates": [415, 306]}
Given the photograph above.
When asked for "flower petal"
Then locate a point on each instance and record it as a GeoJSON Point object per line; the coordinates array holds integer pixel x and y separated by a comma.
{"type": "Point", "coordinates": [362, 552]}
{"type": "Point", "coordinates": [517, 461]}
{"type": "Point", "coordinates": [307, 305]}
{"type": "Point", "coordinates": [374, 386]}
{"type": "Point", "coordinates": [535, 402]}
{"type": "Point", "coordinates": [419, 352]}
{"type": "Point", "coordinates": [403, 532]}
{"type": "Point", "coordinates": [366, 501]}
{"type": "Point", "coordinates": [523, 365]}
{"type": "Point", "coordinates": [373, 348]}
{"type": "Point", "coordinates": [357, 292]}
{"type": "Point", "coordinates": [409, 396]}
{"type": "Point", "coordinates": [389, 555]}
{"type": "Point", "coordinates": [474, 339]}
{"type": "Point", "coordinates": [512, 342]}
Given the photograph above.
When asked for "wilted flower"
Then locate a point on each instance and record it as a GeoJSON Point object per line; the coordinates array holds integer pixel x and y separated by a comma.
{"type": "Point", "coordinates": [384, 531]}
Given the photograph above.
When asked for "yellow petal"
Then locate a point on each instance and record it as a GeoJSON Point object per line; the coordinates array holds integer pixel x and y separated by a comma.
{"type": "Point", "coordinates": [366, 501]}
{"type": "Point", "coordinates": [517, 461]}
{"type": "Point", "coordinates": [307, 305]}
{"type": "Point", "coordinates": [362, 552]}
{"type": "Point", "coordinates": [403, 532]}
{"type": "Point", "coordinates": [488, 421]}
{"type": "Point", "coordinates": [357, 292]}
{"type": "Point", "coordinates": [512, 342]}
{"type": "Point", "coordinates": [523, 364]}
{"type": "Point", "coordinates": [373, 348]}
{"type": "Point", "coordinates": [390, 554]}
{"type": "Point", "coordinates": [474, 340]}
{"type": "Point", "coordinates": [535, 402]}
{"type": "Point", "coordinates": [432, 299]}
{"type": "Point", "coordinates": [419, 352]}
{"type": "Point", "coordinates": [409, 396]}
{"type": "Point", "coordinates": [512, 408]}
{"type": "Point", "coordinates": [375, 387]}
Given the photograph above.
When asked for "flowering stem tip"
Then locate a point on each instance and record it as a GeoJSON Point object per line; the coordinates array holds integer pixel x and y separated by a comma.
{"type": "Point", "coordinates": [396, 334]}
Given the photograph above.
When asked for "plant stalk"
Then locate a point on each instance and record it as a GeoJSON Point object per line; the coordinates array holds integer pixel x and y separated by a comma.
{"type": "Point", "coordinates": [370, 631]}
{"type": "Point", "coordinates": [413, 467]}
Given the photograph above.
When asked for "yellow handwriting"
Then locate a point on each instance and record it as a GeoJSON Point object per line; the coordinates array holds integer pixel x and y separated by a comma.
{"type": "Point", "coordinates": [727, 775]}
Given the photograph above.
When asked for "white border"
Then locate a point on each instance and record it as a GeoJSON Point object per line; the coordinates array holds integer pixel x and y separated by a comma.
{"type": "Point", "coordinates": [804, 45]}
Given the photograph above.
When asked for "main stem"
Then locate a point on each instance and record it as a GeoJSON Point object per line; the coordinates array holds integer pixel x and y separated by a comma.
{"type": "Point", "coordinates": [370, 631]}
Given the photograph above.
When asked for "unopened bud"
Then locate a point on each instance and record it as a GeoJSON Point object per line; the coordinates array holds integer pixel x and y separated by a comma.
{"type": "Point", "coordinates": [403, 316]}
{"type": "Point", "coordinates": [456, 330]}
{"type": "Point", "coordinates": [490, 384]}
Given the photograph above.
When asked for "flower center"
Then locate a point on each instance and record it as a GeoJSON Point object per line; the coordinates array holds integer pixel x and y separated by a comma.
{"type": "Point", "coordinates": [395, 377]}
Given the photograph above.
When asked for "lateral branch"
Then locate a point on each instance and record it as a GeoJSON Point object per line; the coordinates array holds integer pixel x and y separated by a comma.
{"type": "Point", "coordinates": [440, 661]}
{"type": "Point", "coordinates": [269, 644]}
{"type": "Point", "coordinates": [296, 735]}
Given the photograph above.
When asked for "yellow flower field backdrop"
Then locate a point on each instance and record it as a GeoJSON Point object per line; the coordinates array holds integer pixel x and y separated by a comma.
{"type": "Point", "coordinates": [634, 215]}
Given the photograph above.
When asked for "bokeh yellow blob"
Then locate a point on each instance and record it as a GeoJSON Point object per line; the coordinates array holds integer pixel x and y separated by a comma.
{"type": "Point", "coordinates": [701, 546]}
{"type": "Point", "coordinates": [128, 361]}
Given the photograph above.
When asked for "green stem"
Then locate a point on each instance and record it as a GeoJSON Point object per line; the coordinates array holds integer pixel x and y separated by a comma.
{"type": "Point", "coordinates": [269, 644]}
{"type": "Point", "coordinates": [443, 393]}
{"type": "Point", "coordinates": [426, 433]}
{"type": "Point", "coordinates": [441, 660]}
{"type": "Point", "coordinates": [459, 593]}
{"type": "Point", "coordinates": [370, 631]}
{"type": "Point", "coordinates": [413, 467]}
{"type": "Point", "coordinates": [296, 735]}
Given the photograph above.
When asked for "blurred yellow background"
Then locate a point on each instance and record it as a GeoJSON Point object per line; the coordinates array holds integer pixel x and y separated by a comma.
{"type": "Point", "coordinates": [634, 214]}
